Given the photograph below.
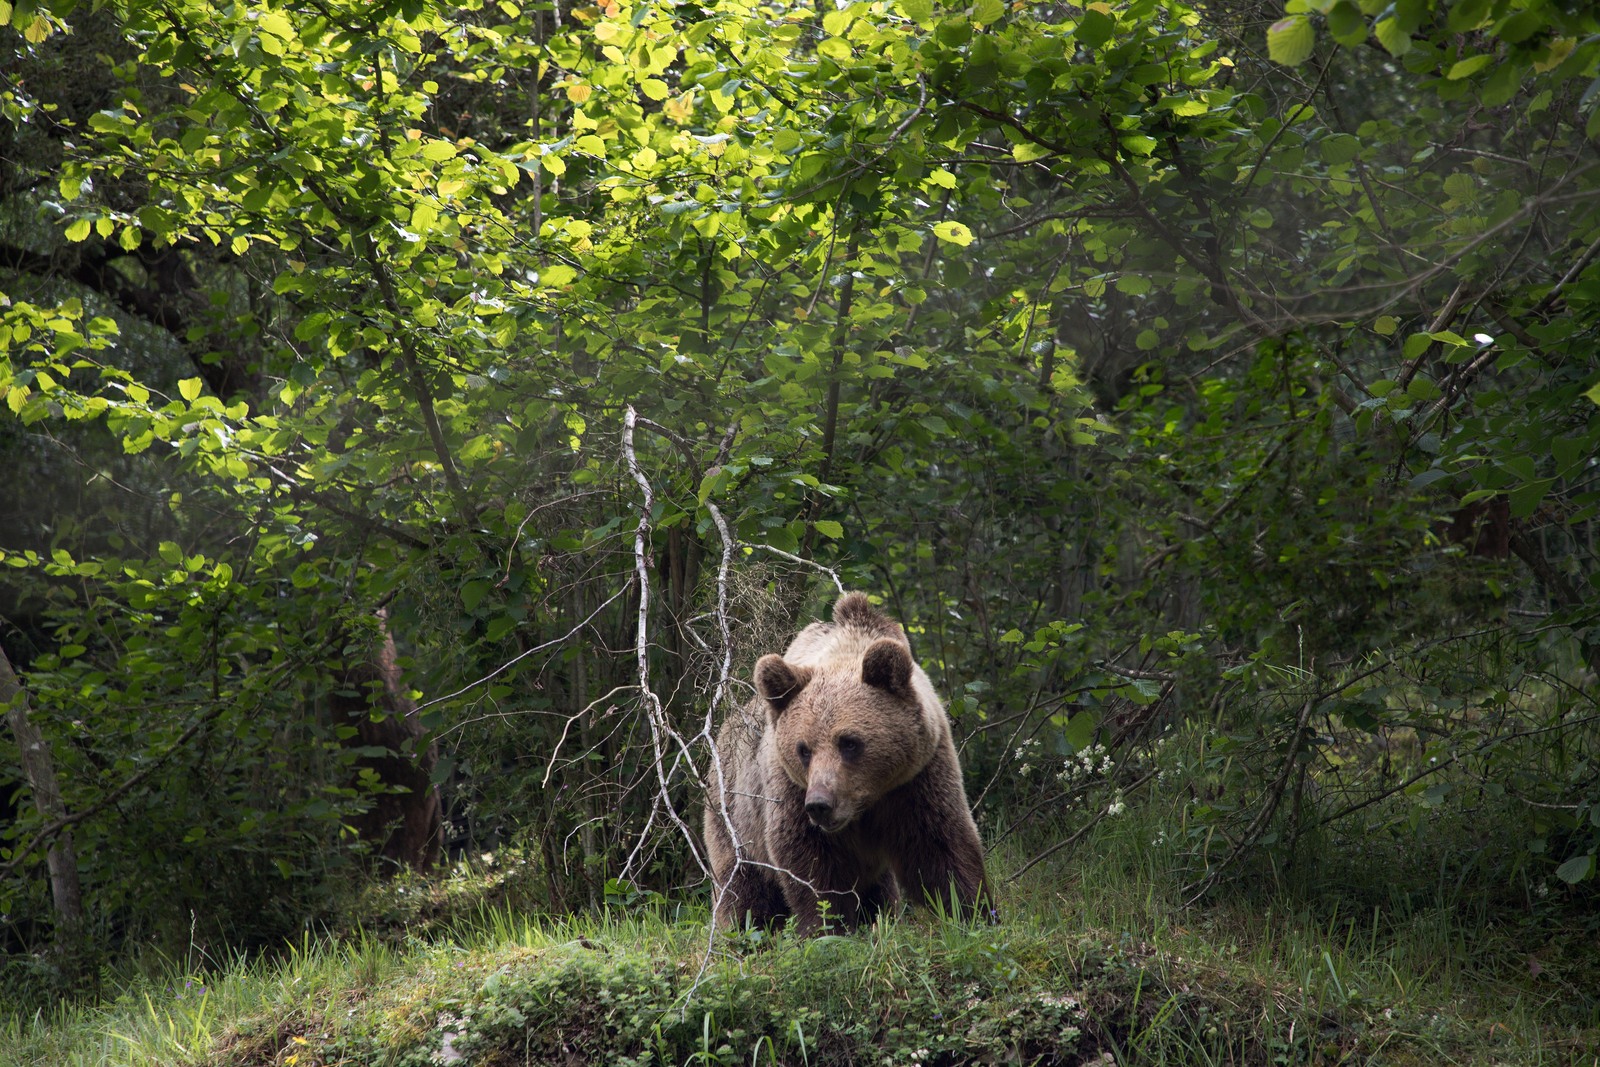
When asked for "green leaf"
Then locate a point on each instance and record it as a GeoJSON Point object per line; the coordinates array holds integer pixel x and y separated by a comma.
{"type": "Point", "coordinates": [1347, 24]}
{"type": "Point", "coordinates": [954, 32]}
{"type": "Point", "coordinates": [557, 275]}
{"type": "Point", "coordinates": [1525, 499]}
{"type": "Point", "coordinates": [1518, 27]}
{"type": "Point", "coordinates": [1592, 394]}
{"type": "Point", "coordinates": [1468, 67]}
{"type": "Point", "coordinates": [1423, 389]}
{"type": "Point", "coordinates": [1468, 15]}
{"type": "Point", "coordinates": [79, 229]}
{"type": "Point", "coordinates": [1080, 730]}
{"type": "Point", "coordinates": [918, 11]}
{"type": "Point", "coordinates": [985, 12]}
{"type": "Point", "coordinates": [829, 529]}
{"type": "Point", "coordinates": [189, 389]}
{"type": "Point", "coordinates": [1291, 40]}
{"type": "Point", "coordinates": [1576, 869]}
{"type": "Point", "coordinates": [1338, 148]}
{"type": "Point", "coordinates": [1095, 29]}
{"type": "Point", "coordinates": [276, 24]}
{"type": "Point", "coordinates": [473, 592]}
{"type": "Point", "coordinates": [1394, 39]}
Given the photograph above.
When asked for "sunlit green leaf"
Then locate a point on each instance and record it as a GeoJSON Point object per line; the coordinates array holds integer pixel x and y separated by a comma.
{"type": "Point", "coordinates": [1290, 40]}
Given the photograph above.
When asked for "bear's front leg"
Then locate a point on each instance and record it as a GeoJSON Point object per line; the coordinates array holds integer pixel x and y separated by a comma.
{"type": "Point", "coordinates": [939, 856]}
{"type": "Point", "coordinates": [748, 894]}
{"type": "Point", "coordinates": [824, 880]}
{"type": "Point", "coordinates": [818, 909]}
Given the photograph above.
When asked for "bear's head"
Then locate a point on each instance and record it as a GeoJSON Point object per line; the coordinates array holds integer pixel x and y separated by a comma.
{"type": "Point", "coordinates": [847, 730]}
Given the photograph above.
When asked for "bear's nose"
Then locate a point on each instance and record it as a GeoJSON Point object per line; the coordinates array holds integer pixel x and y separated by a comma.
{"type": "Point", "coordinates": [820, 810]}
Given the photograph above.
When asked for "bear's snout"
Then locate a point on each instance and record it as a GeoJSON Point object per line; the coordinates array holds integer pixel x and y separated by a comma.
{"type": "Point", "coordinates": [820, 810]}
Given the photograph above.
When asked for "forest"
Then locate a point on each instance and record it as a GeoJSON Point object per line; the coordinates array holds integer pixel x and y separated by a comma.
{"type": "Point", "coordinates": [421, 414]}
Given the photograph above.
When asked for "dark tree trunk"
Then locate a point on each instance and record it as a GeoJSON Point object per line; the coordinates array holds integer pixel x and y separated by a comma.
{"type": "Point", "coordinates": [39, 768]}
{"type": "Point", "coordinates": [404, 825]}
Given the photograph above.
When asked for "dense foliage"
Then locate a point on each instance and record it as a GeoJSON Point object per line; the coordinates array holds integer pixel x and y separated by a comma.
{"type": "Point", "coordinates": [1157, 364]}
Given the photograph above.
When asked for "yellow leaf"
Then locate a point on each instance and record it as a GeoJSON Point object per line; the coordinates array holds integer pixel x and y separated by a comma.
{"type": "Point", "coordinates": [276, 24]}
{"type": "Point", "coordinates": [189, 389]}
{"type": "Point", "coordinates": [1559, 50]}
{"type": "Point", "coordinates": [79, 230]}
{"type": "Point", "coordinates": [953, 233]}
{"type": "Point", "coordinates": [578, 92]}
{"type": "Point", "coordinates": [556, 275]}
{"type": "Point", "coordinates": [37, 30]}
{"type": "Point", "coordinates": [644, 159]}
{"type": "Point", "coordinates": [679, 108]}
{"type": "Point", "coordinates": [655, 89]}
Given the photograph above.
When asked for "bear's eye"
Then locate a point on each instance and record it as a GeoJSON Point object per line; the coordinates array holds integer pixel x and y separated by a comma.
{"type": "Point", "coordinates": [850, 747]}
{"type": "Point", "coordinates": [805, 752]}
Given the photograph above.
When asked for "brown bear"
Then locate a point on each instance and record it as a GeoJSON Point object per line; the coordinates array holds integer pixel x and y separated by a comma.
{"type": "Point", "coordinates": [839, 788]}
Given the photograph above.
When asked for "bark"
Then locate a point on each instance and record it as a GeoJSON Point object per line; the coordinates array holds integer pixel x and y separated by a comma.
{"type": "Point", "coordinates": [405, 824]}
{"type": "Point", "coordinates": [61, 860]}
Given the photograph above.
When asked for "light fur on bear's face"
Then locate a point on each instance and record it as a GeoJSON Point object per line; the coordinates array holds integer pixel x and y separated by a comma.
{"type": "Point", "coordinates": [848, 729]}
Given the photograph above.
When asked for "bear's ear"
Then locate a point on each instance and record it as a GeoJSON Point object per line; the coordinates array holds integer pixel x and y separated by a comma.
{"type": "Point", "coordinates": [887, 666]}
{"type": "Point", "coordinates": [778, 682]}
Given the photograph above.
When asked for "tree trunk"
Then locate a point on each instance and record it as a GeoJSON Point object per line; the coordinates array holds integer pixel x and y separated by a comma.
{"type": "Point", "coordinates": [61, 860]}
{"type": "Point", "coordinates": [405, 823]}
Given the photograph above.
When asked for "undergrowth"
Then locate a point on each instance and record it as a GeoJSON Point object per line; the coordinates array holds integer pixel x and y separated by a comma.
{"type": "Point", "coordinates": [1359, 949]}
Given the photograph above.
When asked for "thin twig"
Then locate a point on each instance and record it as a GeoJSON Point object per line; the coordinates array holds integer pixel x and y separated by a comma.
{"type": "Point", "coordinates": [1258, 825]}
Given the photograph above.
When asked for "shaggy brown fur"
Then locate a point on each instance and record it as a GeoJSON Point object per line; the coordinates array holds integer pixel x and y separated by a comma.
{"type": "Point", "coordinates": [840, 786]}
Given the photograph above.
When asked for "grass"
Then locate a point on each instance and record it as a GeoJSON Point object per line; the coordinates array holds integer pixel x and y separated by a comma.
{"type": "Point", "coordinates": [1097, 957]}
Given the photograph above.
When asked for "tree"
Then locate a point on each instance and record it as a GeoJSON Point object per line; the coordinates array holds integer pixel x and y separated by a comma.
{"type": "Point", "coordinates": [1135, 369]}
